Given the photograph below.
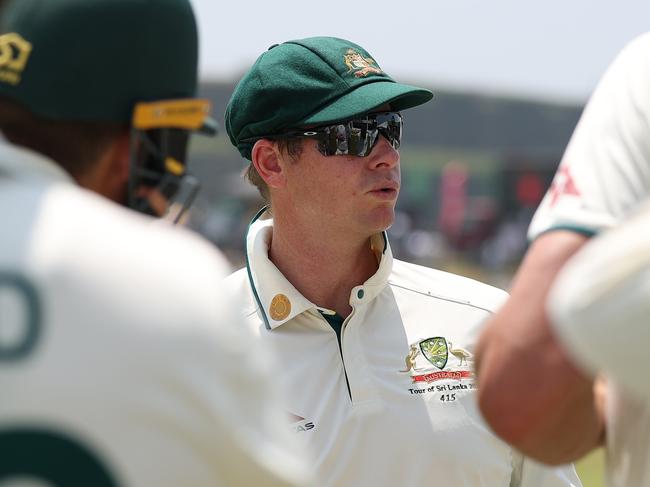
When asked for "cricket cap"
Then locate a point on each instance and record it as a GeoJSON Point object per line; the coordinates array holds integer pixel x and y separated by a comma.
{"type": "Point", "coordinates": [310, 82]}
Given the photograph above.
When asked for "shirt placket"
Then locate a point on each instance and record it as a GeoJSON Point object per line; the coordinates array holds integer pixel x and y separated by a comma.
{"type": "Point", "coordinates": [354, 352]}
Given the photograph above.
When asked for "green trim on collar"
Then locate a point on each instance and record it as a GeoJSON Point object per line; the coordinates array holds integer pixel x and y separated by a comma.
{"type": "Point", "coordinates": [383, 234]}
{"type": "Point", "coordinates": [248, 268]}
{"type": "Point", "coordinates": [587, 232]}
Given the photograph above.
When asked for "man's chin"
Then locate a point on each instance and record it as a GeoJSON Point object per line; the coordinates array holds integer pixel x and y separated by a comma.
{"type": "Point", "coordinates": [382, 219]}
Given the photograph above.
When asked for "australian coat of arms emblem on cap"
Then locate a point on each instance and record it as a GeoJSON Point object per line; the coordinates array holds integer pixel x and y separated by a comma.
{"type": "Point", "coordinates": [361, 66]}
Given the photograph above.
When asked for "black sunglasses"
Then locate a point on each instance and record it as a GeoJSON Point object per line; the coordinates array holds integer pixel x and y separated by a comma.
{"type": "Point", "coordinates": [355, 137]}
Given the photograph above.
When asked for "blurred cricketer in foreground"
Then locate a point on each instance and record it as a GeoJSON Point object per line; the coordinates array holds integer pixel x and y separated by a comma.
{"type": "Point", "coordinates": [376, 354]}
{"type": "Point", "coordinates": [542, 355]}
{"type": "Point", "coordinates": [118, 351]}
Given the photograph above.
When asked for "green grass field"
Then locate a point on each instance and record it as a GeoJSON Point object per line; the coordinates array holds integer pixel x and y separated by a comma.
{"type": "Point", "coordinates": [590, 469]}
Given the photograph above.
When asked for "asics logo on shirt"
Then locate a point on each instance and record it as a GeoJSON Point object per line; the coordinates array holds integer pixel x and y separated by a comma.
{"type": "Point", "coordinates": [300, 424]}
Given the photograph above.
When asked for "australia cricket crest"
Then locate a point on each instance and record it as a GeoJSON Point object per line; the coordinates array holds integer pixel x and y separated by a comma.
{"type": "Point", "coordinates": [359, 65]}
{"type": "Point", "coordinates": [435, 351]}
{"type": "Point", "coordinates": [428, 361]}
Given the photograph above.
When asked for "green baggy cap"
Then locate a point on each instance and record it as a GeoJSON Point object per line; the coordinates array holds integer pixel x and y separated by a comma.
{"type": "Point", "coordinates": [309, 82]}
{"type": "Point", "coordinates": [92, 60]}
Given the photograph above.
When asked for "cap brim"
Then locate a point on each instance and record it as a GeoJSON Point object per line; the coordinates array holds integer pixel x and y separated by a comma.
{"type": "Point", "coordinates": [368, 97]}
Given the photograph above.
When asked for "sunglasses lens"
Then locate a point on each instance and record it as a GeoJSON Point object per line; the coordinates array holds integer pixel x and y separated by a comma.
{"type": "Point", "coordinates": [333, 140]}
{"type": "Point", "coordinates": [390, 126]}
{"type": "Point", "coordinates": [364, 133]}
{"type": "Point", "coordinates": [357, 137]}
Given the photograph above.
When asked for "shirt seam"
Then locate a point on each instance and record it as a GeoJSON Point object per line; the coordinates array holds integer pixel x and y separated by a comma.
{"type": "Point", "coordinates": [444, 298]}
{"type": "Point", "coordinates": [587, 232]}
{"type": "Point", "coordinates": [251, 313]}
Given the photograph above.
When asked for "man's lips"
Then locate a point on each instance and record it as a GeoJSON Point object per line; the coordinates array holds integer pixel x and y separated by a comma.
{"type": "Point", "coordinates": [386, 189]}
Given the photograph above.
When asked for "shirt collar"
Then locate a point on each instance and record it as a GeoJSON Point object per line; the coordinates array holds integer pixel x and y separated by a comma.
{"type": "Point", "coordinates": [20, 163]}
{"type": "Point", "coordinates": [277, 299]}
{"type": "Point", "coordinates": [376, 283]}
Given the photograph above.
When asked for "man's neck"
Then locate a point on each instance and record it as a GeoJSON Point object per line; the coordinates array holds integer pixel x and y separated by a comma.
{"type": "Point", "coordinates": [324, 268]}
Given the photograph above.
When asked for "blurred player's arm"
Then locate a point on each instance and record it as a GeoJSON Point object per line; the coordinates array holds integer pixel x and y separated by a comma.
{"type": "Point", "coordinates": [600, 304]}
{"type": "Point", "coordinates": [530, 392]}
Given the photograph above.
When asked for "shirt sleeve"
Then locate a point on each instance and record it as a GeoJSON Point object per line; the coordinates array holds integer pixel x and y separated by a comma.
{"type": "Point", "coordinates": [529, 473]}
{"type": "Point", "coordinates": [605, 170]}
{"type": "Point", "coordinates": [600, 303]}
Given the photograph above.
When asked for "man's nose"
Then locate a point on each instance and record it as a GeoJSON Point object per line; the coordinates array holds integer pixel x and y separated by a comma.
{"type": "Point", "coordinates": [383, 154]}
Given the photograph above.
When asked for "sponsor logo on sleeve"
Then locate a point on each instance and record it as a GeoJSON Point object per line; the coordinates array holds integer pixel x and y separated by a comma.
{"type": "Point", "coordinates": [563, 185]}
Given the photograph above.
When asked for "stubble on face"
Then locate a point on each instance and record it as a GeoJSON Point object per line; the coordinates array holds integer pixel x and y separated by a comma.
{"type": "Point", "coordinates": [344, 195]}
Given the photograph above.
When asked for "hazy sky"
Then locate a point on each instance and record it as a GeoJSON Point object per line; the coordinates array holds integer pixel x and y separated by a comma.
{"type": "Point", "coordinates": [550, 49]}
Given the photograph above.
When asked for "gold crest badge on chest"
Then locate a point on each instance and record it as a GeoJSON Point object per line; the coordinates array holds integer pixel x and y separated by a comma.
{"type": "Point", "coordinates": [435, 358]}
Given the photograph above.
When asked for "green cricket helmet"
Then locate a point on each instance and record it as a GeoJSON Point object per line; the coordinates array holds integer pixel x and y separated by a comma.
{"type": "Point", "coordinates": [122, 61]}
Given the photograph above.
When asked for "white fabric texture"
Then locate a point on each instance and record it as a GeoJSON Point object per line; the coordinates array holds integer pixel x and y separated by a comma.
{"type": "Point", "coordinates": [605, 171]}
{"type": "Point", "coordinates": [599, 304]}
{"type": "Point", "coordinates": [134, 356]}
{"type": "Point", "coordinates": [395, 403]}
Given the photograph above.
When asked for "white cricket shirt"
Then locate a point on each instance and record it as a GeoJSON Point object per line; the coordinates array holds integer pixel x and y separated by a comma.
{"type": "Point", "coordinates": [600, 306]}
{"type": "Point", "coordinates": [394, 402]}
{"type": "Point", "coordinates": [120, 364]}
{"type": "Point", "coordinates": [605, 170]}
{"type": "Point", "coordinates": [604, 176]}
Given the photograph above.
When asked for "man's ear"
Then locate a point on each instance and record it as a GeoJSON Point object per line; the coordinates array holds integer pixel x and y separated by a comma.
{"type": "Point", "coordinates": [269, 162]}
